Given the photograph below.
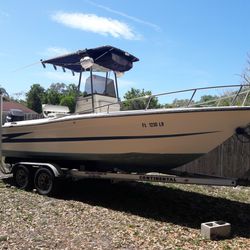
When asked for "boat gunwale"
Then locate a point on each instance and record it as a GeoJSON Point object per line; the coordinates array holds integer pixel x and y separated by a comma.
{"type": "Point", "coordinates": [117, 114]}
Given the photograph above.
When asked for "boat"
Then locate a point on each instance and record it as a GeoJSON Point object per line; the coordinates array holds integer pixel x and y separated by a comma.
{"type": "Point", "coordinates": [100, 136]}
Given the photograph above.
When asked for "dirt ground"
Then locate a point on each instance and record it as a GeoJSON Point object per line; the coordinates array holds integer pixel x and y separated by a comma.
{"type": "Point", "coordinates": [102, 215]}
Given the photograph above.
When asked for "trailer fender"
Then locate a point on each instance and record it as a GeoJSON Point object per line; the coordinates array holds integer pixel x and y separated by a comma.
{"type": "Point", "coordinates": [56, 170]}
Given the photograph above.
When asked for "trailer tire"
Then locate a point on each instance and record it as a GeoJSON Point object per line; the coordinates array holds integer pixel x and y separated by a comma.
{"type": "Point", "coordinates": [23, 177]}
{"type": "Point", "coordinates": [45, 181]}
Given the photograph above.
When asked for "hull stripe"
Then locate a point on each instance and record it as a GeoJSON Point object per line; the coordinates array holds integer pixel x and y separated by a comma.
{"type": "Point", "coordinates": [10, 138]}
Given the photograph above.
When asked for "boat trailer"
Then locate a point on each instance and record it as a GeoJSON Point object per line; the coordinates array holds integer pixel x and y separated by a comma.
{"type": "Point", "coordinates": [45, 177]}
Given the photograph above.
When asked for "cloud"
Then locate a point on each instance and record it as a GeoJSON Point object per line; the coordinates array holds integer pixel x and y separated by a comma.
{"type": "Point", "coordinates": [55, 51]}
{"type": "Point", "coordinates": [93, 23]}
{"type": "Point", "coordinates": [58, 51]}
{"type": "Point", "coordinates": [135, 19]}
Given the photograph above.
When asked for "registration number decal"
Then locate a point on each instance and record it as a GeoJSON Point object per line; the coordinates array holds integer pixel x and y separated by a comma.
{"type": "Point", "coordinates": [152, 124]}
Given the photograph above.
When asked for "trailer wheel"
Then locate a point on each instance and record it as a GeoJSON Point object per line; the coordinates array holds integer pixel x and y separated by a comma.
{"type": "Point", "coordinates": [23, 177]}
{"type": "Point", "coordinates": [44, 181]}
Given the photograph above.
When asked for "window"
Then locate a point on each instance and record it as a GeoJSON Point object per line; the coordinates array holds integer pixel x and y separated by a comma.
{"type": "Point", "coordinates": [101, 85]}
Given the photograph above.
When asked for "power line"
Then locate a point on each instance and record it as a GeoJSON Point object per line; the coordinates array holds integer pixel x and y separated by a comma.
{"type": "Point", "coordinates": [26, 66]}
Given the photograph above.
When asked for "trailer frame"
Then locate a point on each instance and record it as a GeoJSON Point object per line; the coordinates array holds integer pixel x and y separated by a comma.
{"type": "Point", "coordinates": [45, 176]}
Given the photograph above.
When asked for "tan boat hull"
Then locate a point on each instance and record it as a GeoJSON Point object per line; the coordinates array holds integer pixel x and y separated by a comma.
{"type": "Point", "coordinates": [148, 140]}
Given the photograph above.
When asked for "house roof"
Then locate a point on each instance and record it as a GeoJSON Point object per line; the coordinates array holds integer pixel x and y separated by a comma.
{"type": "Point", "coordinates": [7, 106]}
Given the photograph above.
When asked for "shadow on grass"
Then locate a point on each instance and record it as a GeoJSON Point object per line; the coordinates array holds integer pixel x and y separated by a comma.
{"type": "Point", "coordinates": [167, 204]}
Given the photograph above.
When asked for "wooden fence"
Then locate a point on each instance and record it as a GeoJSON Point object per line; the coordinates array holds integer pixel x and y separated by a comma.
{"type": "Point", "coordinates": [231, 159]}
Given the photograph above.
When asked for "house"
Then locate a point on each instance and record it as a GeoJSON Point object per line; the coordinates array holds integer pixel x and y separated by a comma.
{"type": "Point", "coordinates": [10, 105]}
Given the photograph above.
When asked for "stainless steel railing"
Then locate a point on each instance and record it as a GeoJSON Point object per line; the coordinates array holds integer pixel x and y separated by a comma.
{"type": "Point", "coordinates": [240, 90]}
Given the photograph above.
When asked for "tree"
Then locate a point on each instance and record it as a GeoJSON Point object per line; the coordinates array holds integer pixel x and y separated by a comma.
{"type": "Point", "coordinates": [17, 97]}
{"type": "Point", "coordinates": [56, 94]}
{"type": "Point", "coordinates": [71, 90]}
{"type": "Point", "coordinates": [52, 96]}
{"type": "Point", "coordinates": [69, 101]}
{"type": "Point", "coordinates": [134, 100]}
{"type": "Point", "coordinates": [180, 103]}
{"type": "Point", "coordinates": [35, 97]}
{"type": "Point", "coordinates": [68, 98]}
{"type": "Point", "coordinates": [246, 72]}
{"type": "Point", "coordinates": [210, 100]}
{"type": "Point", "coordinates": [245, 76]}
{"type": "Point", "coordinates": [4, 93]}
{"type": "Point", "coordinates": [58, 87]}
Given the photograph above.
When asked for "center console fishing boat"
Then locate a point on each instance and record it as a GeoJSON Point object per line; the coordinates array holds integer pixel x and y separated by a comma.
{"type": "Point", "coordinates": [103, 136]}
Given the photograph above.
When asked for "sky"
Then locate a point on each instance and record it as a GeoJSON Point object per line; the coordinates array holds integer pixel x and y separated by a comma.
{"type": "Point", "coordinates": [180, 43]}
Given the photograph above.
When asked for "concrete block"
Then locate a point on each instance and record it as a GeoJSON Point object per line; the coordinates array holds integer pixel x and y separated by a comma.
{"type": "Point", "coordinates": [215, 229]}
